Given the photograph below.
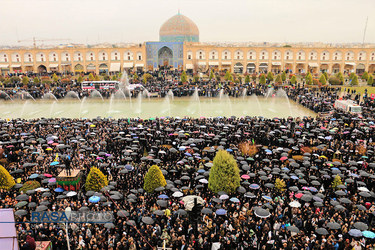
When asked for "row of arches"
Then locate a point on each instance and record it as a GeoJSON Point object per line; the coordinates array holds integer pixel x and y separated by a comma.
{"type": "Point", "coordinates": [298, 68]}
{"type": "Point", "coordinates": [278, 55]}
{"type": "Point", "coordinates": [67, 56]}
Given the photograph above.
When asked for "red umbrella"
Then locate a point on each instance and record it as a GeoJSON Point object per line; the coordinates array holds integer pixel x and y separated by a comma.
{"type": "Point", "coordinates": [298, 195]}
{"type": "Point", "coordinates": [245, 176]}
{"type": "Point", "coordinates": [283, 158]}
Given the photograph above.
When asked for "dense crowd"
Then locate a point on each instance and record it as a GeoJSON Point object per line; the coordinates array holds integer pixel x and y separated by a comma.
{"type": "Point", "coordinates": [307, 153]}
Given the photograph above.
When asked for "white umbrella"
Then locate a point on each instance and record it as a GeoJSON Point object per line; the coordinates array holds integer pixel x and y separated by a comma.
{"type": "Point", "coordinates": [204, 181]}
{"type": "Point", "coordinates": [71, 193]}
{"type": "Point", "coordinates": [177, 194]}
{"type": "Point", "coordinates": [295, 204]}
{"type": "Point", "coordinates": [189, 201]}
{"type": "Point", "coordinates": [224, 197]}
{"type": "Point", "coordinates": [363, 189]}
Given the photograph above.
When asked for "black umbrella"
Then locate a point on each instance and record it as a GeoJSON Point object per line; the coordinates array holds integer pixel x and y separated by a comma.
{"type": "Point", "coordinates": [147, 220]}
{"type": "Point", "coordinates": [46, 194]}
{"type": "Point", "coordinates": [159, 212]}
{"type": "Point", "coordinates": [361, 207]}
{"type": "Point", "coordinates": [241, 190]}
{"type": "Point", "coordinates": [22, 197]}
{"type": "Point", "coordinates": [21, 204]}
{"type": "Point", "coordinates": [262, 213]}
{"type": "Point", "coordinates": [123, 213]}
{"type": "Point", "coordinates": [109, 225]}
{"type": "Point", "coordinates": [293, 229]}
{"type": "Point", "coordinates": [206, 211]}
{"type": "Point", "coordinates": [360, 226]}
{"type": "Point", "coordinates": [159, 189]}
{"type": "Point", "coordinates": [306, 197]}
{"type": "Point", "coordinates": [130, 223]}
{"type": "Point", "coordinates": [115, 197]}
{"type": "Point", "coordinates": [32, 204]}
{"type": "Point", "coordinates": [340, 193]}
{"type": "Point", "coordinates": [321, 231]}
{"type": "Point", "coordinates": [365, 194]}
{"type": "Point", "coordinates": [162, 203]}
{"type": "Point", "coordinates": [339, 208]}
{"type": "Point", "coordinates": [181, 212]}
{"type": "Point", "coordinates": [333, 225]}
{"type": "Point", "coordinates": [20, 213]}
{"type": "Point", "coordinates": [84, 209]}
{"type": "Point", "coordinates": [17, 186]}
{"type": "Point", "coordinates": [345, 200]}
{"type": "Point", "coordinates": [41, 208]}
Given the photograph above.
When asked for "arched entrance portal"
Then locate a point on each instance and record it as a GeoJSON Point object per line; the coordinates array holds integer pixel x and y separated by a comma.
{"type": "Point", "coordinates": [42, 69]}
{"type": "Point", "coordinates": [165, 57]}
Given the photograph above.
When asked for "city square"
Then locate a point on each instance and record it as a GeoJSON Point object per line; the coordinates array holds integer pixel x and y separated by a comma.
{"type": "Point", "coordinates": [179, 143]}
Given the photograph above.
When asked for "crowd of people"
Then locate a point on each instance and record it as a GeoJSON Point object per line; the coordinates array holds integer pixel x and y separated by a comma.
{"type": "Point", "coordinates": [306, 153]}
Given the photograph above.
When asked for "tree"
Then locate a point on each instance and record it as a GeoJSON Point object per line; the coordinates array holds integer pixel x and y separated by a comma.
{"type": "Point", "coordinates": [340, 77]}
{"type": "Point", "coordinates": [147, 77]}
{"type": "Point", "coordinates": [36, 80]}
{"type": "Point", "coordinates": [25, 80]}
{"type": "Point", "coordinates": [325, 75]}
{"type": "Point", "coordinates": [351, 75]}
{"type": "Point", "coordinates": [211, 75]}
{"type": "Point", "coordinates": [114, 78]}
{"type": "Point", "coordinates": [254, 77]}
{"type": "Point", "coordinates": [293, 80]}
{"type": "Point", "coordinates": [196, 78]}
{"type": "Point", "coordinates": [91, 77]}
{"type": "Point", "coordinates": [278, 79]}
{"type": "Point", "coordinates": [247, 79]}
{"type": "Point", "coordinates": [323, 79]}
{"type": "Point", "coordinates": [227, 76]}
{"type": "Point", "coordinates": [283, 76]}
{"type": "Point", "coordinates": [135, 76]}
{"type": "Point", "coordinates": [336, 182]}
{"type": "Point", "coordinates": [354, 80]}
{"type": "Point", "coordinates": [79, 79]}
{"type": "Point", "coordinates": [54, 78]}
{"type": "Point", "coordinates": [334, 80]}
{"type": "Point", "coordinates": [224, 174]}
{"type": "Point", "coordinates": [232, 77]}
{"type": "Point", "coordinates": [280, 185]}
{"type": "Point", "coordinates": [97, 78]}
{"type": "Point", "coordinates": [270, 76]}
{"type": "Point", "coordinates": [96, 180]}
{"type": "Point", "coordinates": [370, 80]}
{"type": "Point", "coordinates": [6, 180]}
{"type": "Point", "coordinates": [309, 79]}
{"type": "Point", "coordinates": [29, 185]}
{"type": "Point", "coordinates": [365, 76]}
{"type": "Point", "coordinates": [183, 77]}
{"type": "Point", "coordinates": [262, 79]}
{"type": "Point", "coordinates": [154, 178]}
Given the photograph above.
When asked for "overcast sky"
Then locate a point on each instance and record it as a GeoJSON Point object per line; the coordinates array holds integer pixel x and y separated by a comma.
{"type": "Point", "coordinates": [94, 21]}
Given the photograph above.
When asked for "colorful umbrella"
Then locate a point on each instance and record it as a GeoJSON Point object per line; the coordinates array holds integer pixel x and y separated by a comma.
{"type": "Point", "coordinates": [94, 199]}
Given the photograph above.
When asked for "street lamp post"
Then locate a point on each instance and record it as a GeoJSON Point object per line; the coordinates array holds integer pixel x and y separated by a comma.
{"type": "Point", "coordinates": [194, 216]}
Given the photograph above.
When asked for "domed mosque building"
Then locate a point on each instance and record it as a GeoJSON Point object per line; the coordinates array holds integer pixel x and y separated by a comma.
{"type": "Point", "coordinates": [169, 51]}
{"type": "Point", "coordinates": [179, 28]}
{"type": "Point", "coordinates": [179, 48]}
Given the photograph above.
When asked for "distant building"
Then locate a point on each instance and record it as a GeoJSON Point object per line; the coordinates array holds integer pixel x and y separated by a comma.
{"type": "Point", "coordinates": [179, 48]}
